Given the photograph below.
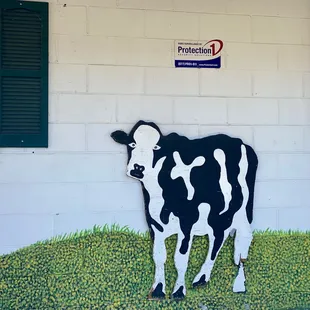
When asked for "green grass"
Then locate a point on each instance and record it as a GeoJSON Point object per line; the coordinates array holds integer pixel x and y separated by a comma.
{"type": "Point", "coordinates": [112, 268]}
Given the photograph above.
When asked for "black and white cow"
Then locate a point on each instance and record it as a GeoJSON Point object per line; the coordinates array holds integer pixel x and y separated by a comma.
{"type": "Point", "coordinates": [192, 187]}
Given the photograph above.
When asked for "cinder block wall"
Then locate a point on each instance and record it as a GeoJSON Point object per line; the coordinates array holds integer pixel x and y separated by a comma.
{"type": "Point", "coordinates": [111, 63]}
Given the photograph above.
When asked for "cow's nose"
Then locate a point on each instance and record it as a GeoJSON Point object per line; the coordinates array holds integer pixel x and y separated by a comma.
{"type": "Point", "coordinates": [138, 167]}
{"type": "Point", "coordinates": [137, 171]}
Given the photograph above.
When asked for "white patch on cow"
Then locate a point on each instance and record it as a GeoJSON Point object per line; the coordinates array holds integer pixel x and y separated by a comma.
{"type": "Point", "coordinates": [151, 184]}
{"type": "Point", "coordinates": [220, 157]}
{"type": "Point", "coordinates": [181, 262]}
{"type": "Point", "coordinates": [184, 171]}
{"type": "Point", "coordinates": [159, 248]}
{"type": "Point", "coordinates": [146, 139]}
{"type": "Point", "coordinates": [201, 227]}
{"type": "Point", "coordinates": [207, 266]}
{"type": "Point", "coordinates": [159, 256]}
{"type": "Point", "coordinates": [242, 226]}
{"type": "Point", "coordinates": [146, 136]}
{"type": "Point", "coordinates": [243, 165]}
{"type": "Point", "coordinates": [240, 222]}
{"type": "Point", "coordinates": [239, 281]}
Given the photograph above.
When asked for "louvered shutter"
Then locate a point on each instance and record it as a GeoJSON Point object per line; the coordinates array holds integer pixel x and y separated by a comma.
{"type": "Point", "coordinates": [23, 74]}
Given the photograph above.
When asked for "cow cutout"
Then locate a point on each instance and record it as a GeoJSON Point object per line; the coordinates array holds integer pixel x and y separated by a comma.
{"type": "Point", "coordinates": [192, 188]}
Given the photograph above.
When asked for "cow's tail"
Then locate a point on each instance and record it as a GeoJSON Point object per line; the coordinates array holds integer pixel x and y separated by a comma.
{"type": "Point", "coordinates": [250, 180]}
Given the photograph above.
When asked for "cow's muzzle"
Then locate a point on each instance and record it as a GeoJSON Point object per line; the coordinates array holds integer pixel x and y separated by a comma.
{"type": "Point", "coordinates": [137, 171]}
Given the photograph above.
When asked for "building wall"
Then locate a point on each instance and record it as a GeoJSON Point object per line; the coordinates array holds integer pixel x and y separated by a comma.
{"type": "Point", "coordinates": [111, 64]}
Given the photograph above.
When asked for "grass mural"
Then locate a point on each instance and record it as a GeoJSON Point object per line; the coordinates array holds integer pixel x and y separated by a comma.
{"type": "Point", "coordinates": [112, 268]}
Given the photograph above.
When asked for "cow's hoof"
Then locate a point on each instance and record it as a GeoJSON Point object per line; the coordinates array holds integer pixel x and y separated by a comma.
{"type": "Point", "coordinates": [178, 295]}
{"type": "Point", "coordinates": [157, 293]}
{"type": "Point", "coordinates": [201, 282]}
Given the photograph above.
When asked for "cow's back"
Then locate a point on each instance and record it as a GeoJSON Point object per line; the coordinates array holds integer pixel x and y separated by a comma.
{"type": "Point", "coordinates": [222, 156]}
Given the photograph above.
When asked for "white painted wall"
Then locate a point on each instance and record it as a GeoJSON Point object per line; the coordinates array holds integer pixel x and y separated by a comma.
{"type": "Point", "coordinates": [112, 64]}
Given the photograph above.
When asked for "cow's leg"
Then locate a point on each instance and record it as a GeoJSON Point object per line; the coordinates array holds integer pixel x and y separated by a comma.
{"type": "Point", "coordinates": [242, 244]}
{"type": "Point", "coordinates": [181, 261]}
{"type": "Point", "coordinates": [159, 257]}
{"type": "Point", "coordinates": [215, 245]}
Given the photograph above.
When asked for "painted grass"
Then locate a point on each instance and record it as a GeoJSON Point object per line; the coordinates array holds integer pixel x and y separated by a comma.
{"type": "Point", "coordinates": [112, 268]}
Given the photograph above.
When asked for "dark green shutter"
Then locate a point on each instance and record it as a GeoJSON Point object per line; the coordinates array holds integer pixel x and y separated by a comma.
{"type": "Point", "coordinates": [23, 74]}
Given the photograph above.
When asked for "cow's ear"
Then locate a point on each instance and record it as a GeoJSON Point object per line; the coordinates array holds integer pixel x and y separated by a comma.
{"type": "Point", "coordinates": [120, 136]}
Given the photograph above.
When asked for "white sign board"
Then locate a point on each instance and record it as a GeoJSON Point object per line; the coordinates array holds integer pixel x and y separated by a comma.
{"type": "Point", "coordinates": [198, 54]}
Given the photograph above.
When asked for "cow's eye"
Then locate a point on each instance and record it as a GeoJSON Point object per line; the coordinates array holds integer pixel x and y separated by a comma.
{"type": "Point", "coordinates": [132, 145]}
{"type": "Point", "coordinates": [156, 148]}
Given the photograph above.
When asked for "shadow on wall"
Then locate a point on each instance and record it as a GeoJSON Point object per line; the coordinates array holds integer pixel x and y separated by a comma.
{"type": "Point", "coordinates": [112, 268]}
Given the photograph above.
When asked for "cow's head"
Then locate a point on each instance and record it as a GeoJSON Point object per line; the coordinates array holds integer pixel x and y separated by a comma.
{"type": "Point", "coordinates": [144, 149]}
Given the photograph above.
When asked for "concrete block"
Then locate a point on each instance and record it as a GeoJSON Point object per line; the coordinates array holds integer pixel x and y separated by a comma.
{"type": "Point", "coordinates": [68, 78]}
{"type": "Point", "coordinates": [242, 111]}
{"type": "Point", "coordinates": [101, 197]}
{"type": "Point", "coordinates": [252, 7]}
{"type": "Point", "coordinates": [132, 219]}
{"type": "Point", "coordinates": [268, 167]}
{"type": "Point", "coordinates": [142, 52]}
{"type": "Point", "coordinates": [247, 56]}
{"type": "Point", "coordinates": [170, 81]}
{"type": "Point", "coordinates": [294, 58]}
{"type": "Point", "coordinates": [77, 221]}
{"type": "Point", "coordinates": [190, 131]}
{"type": "Point", "coordinates": [307, 139]}
{"type": "Point", "coordinates": [115, 22]}
{"type": "Point", "coordinates": [99, 137]}
{"type": "Point", "coordinates": [243, 132]}
{"type": "Point", "coordinates": [264, 218]}
{"type": "Point", "coordinates": [86, 108]}
{"type": "Point", "coordinates": [116, 80]}
{"type": "Point", "coordinates": [146, 4]}
{"type": "Point", "coordinates": [200, 6]}
{"type": "Point", "coordinates": [48, 198]}
{"type": "Point", "coordinates": [294, 219]}
{"type": "Point", "coordinates": [68, 20]}
{"type": "Point", "coordinates": [49, 1]}
{"type": "Point", "coordinates": [277, 84]}
{"type": "Point", "coordinates": [41, 168]}
{"type": "Point", "coordinates": [120, 164]}
{"type": "Point", "coordinates": [306, 85]}
{"type": "Point", "coordinates": [225, 27]}
{"type": "Point", "coordinates": [282, 193]}
{"type": "Point", "coordinates": [171, 25]}
{"type": "Point", "coordinates": [9, 249]}
{"type": "Point", "coordinates": [227, 83]}
{"type": "Point", "coordinates": [130, 109]}
{"type": "Point", "coordinates": [100, 3]}
{"type": "Point", "coordinates": [275, 30]}
{"type": "Point", "coordinates": [294, 8]}
{"type": "Point", "coordinates": [85, 49]}
{"type": "Point", "coordinates": [194, 110]}
{"type": "Point", "coordinates": [305, 31]}
{"type": "Point", "coordinates": [52, 108]}
{"type": "Point", "coordinates": [294, 166]}
{"type": "Point", "coordinates": [115, 51]}
{"type": "Point", "coordinates": [19, 230]}
{"type": "Point", "coordinates": [53, 44]}
{"type": "Point", "coordinates": [67, 137]}
{"type": "Point", "coordinates": [294, 111]}
{"type": "Point", "coordinates": [278, 138]}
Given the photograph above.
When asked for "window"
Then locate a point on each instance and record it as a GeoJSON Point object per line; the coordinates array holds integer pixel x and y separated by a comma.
{"type": "Point", "coordinates": [23, 74]}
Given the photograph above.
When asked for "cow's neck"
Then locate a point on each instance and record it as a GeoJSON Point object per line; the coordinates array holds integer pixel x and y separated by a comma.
{"type": "Point", "coordinates": [153, 187]}
{"type": "Point", "coordinates": [151, 182]}
{"type": "Point", "coordinates": [155, 192]}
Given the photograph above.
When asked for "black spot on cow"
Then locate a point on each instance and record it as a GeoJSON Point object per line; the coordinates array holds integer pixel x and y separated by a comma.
{"type": "Point", "coordinates": [158, 293]}
{"type": "Point", "coordinates": [179, 293]}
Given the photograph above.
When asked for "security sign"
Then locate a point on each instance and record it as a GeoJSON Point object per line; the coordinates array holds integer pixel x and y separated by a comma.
{"type": "Point", "coordinates": [201, 54]}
